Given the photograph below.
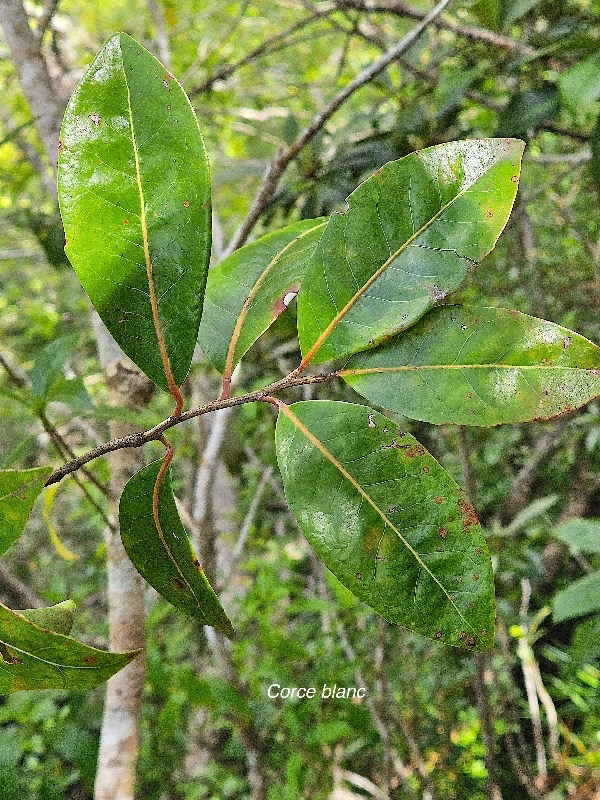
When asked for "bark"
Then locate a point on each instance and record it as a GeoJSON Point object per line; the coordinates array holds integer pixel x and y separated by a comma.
{"type": "Point", "coordinates": [41, 93]}
{"type": "Point", "coordinates": [119, 739]}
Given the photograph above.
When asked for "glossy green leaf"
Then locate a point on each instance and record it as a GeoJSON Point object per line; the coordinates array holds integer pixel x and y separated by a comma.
{"type": "Point", "coordinates": [34, 658]}
{"type": "Point", "coordinates": [410, 235]}
{"type": "Point", "coordinates": [479, 366]}
{"type": "Point", "coordinates": [134, 193]}
{"type": "Point", "coordinates": [581, 597]}
{"type": "Point", "coordinates": [387, 520]}
{"type": "Point", "coordinates": [57, 618]}
{"type": "Point", "coordinates": [18, 491]}
{"type": "Point", "coordinates": [165, 558]}
{"type": "Point", "coordinates": [249, 290]}
{"type": "Point", "coordinates": [581, 535]}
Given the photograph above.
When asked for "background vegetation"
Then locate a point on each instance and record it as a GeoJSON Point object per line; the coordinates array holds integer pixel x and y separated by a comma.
{"type": "Point", "coordinates": [437, 723]}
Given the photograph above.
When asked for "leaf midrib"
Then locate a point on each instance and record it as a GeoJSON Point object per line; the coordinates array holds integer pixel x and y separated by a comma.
{"type": "Point", "coordinates": [340, 467]}
{"type": "Point", "coordinates": [147, 258]}
{"type": "Point", "coordinates": [354, 299]}
{"type": "Point", "coordinates": [235, 336]}
{"type": "Point", "coordinates": [418, 368]}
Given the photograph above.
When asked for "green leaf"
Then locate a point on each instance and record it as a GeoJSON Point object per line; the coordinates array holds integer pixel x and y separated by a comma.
{"type": "Point", "coordinates": [581, 597]}
{"type": "Point", "coordinates": [527, 111]}
{"type": "Point", "coordinates": [248, 291]}
{"type": "Point", "coordinates": [580, 84]}
{"type": "Point", "coordinates": [581, 535]}
{"type": "Point", "coordinates": [134, 193]}
{"type": "Point", "coordinates": [410, 235]}
{"type": "Point", "coordinates": [165, 558]}
{"type": "Point", "coordinates": [479, 366]}
{"type": "Point", "coordinates": [487, 12]}
{"type": "Point", "coordinates": [57, 618]}
{"type": "Point", "coordinates": [387, 520]}
{"type": "Point", "coordinates": [512, 10]}
{"type": "Point", "coordinates": [48, 367]}
{"type": "Point", "coordinates": [34, 658]}
{"type": "Point", "coordinates": [18, 492]}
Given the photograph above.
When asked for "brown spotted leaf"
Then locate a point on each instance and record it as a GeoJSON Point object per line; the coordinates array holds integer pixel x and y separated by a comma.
{"type": "Point", "coordinates": [251, 288]}
{"type": "Point", "coordinates": [479, 366]}
{"type": "Point", "coordinates": [387, 520]}
{"type": "Point", "coordinates": [33, 657]}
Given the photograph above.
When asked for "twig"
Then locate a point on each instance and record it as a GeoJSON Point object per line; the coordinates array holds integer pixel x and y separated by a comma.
{"type": "Point", "coordinates": [21, 380]}
{"type": "Point", "coordinates": [466, 31]}
{"type": "Point", "coordinates": [269, 45]}
{"type": "Point", "coordinates": [141, 438]}
{"type": "Point", "coordinates": [15, 375]}
{"type": "Point", "coordinates": [250, 514]}
{"type": "Point", "coordinates": [161, 37]}
{"type": "Point", "coordinates": [519, 492]}
{"type": "Point", "coordinates": [45, 20]}
{"type": "Point", "coordinates": [11, 585]}
{"type": "Point", "coordinates": [286, 155]}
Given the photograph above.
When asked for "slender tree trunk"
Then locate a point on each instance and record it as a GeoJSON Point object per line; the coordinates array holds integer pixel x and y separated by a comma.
{"type": "Point", "coordinates": [119, 739]}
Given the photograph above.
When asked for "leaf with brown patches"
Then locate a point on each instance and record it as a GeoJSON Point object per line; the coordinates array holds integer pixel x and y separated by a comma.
{"type": "Point", "coordinates": [479, 366]}
{"type": "Point", "coordinates": [164, 557]}
{"type": "Point", "coordinates": [251, 288]}
{"type": "Point", "coordinates": [394, 534]}
{"type": "Point", "coordinates": [33, 657]}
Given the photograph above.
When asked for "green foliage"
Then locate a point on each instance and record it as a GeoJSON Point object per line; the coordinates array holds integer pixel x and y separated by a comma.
{"type": "Point", "coordinates": [449, 86]}
{"type": "Point", "coordinates": [429, 217]}
{"type": "Point", "coordinates": [248, 291]}
{"type": "Point", "coordinates": [57, 618]}
{"type": "Point", "coordinates": [479, 366]}
{"type": "Point", "coordinates": [383, 515]}
{"type": "Point", "coordinates": [415, 554]}
{"type": "Point", "coordinates": [161, 551]}
{"type": "Point", "coordinates": [582, 596]}
{"type": "Point", "coordinates": [35, 658]}
{"type": "Point", "coordinates": [18, 492]}
{"type": "Point", "coordinates": [127, 191]}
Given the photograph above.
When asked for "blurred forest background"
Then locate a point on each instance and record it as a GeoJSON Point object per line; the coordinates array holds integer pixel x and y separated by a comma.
{"type": "Point", "coordinates": [438, 723]}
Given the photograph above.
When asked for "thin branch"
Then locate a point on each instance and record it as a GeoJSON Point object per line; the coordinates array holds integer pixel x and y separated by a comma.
{"type": "Point", "coordinates": [141, 438]}
{"type": "Point", "coordinates": [15, 375]}
{"type": "Point", "coordinates": [520, 491]}
{"type": "Point", "coordinates": [466, 31]}
{"type": "Point", "coordinates": [250, 514]}
{"type": "Point", "coordinates": [32, 72]}
{"type": "Point", "coordinates": [160, 33]}
{"type": "Point", "coordinates": [270, 45]}
{"type": "Point", "coordinates": [286, 155]}
{"type": "Point", "coordinates": [45, 20]}
{"type": "Point", "coordinates": [527, 658]}
{"type": "Point", "coordinates": [18, 591]}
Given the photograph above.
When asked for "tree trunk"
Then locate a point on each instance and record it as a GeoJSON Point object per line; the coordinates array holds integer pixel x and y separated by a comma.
{"type": "Point", "coordinates": [119, 739]}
